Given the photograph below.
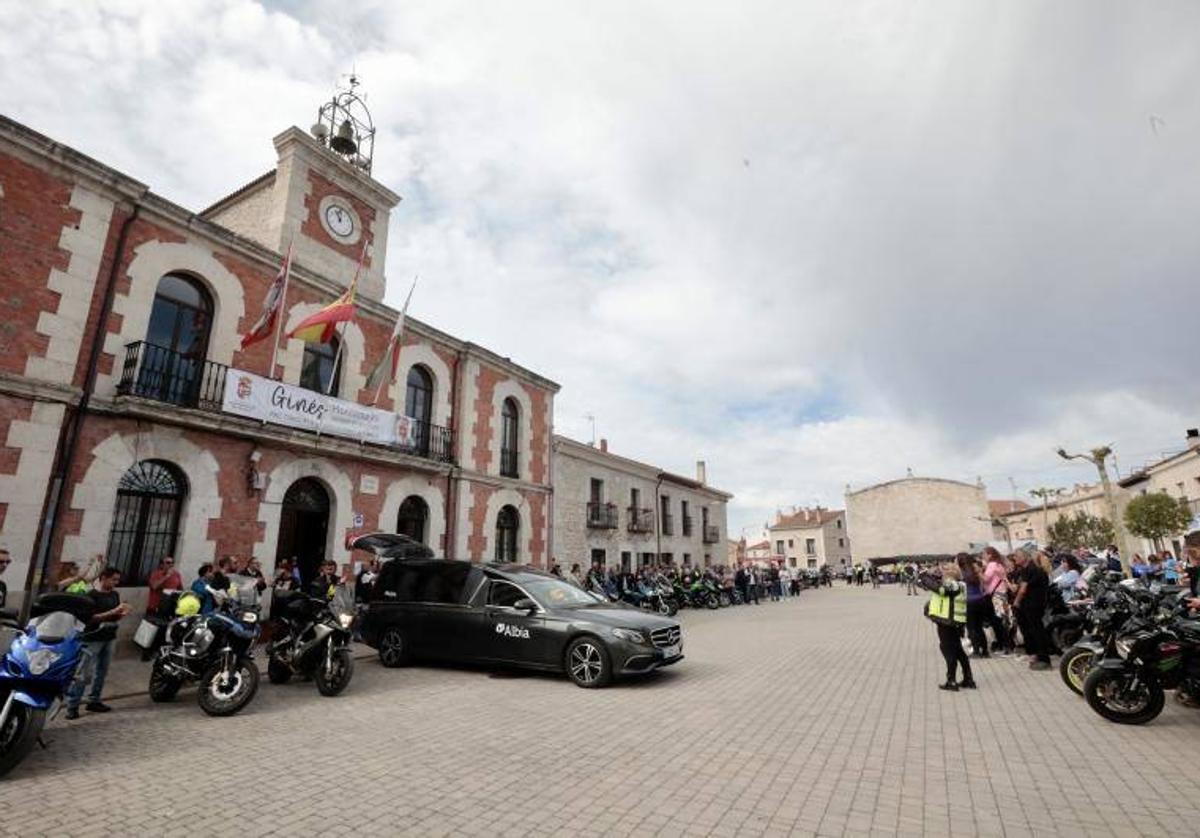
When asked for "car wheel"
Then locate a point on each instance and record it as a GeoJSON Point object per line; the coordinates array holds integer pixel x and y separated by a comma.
{"type": "Point", "coordinates": [393, 648]}
{"type": "Point", "coordinates": [587, 663]}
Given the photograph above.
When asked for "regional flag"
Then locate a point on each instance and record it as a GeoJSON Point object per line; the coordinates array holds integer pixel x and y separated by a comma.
{"type": "Point", "coordinates": [392, 352]}
{"type": "Point", "coordinates": [319, 326]}
{"type": "Point", "coordinates": [272, 305]}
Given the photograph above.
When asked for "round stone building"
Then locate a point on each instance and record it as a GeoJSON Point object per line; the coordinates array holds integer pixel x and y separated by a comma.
{"type": "Point", "coordinates": [917, 517]}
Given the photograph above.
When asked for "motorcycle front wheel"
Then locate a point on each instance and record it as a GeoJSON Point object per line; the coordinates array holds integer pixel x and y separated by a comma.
{"type": "Point", "coordinates": [278, 672]}
{"type": "Point", "coordinates": [1111, 693]}
{"type": "Point", "coordinates": [20, 734]}
{"type": "Point", "coordinates": [1074, 667]}
{"type": "Point", "coordinates": [223, 696]}
{"type": "Point", "coordinates": [163, 686]}
{"type": "Point", "coordinates": [334, 675]}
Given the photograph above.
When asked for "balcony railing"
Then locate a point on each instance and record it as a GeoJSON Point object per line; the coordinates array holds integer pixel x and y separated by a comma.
{"type": "Point", "coordinates": [668, 524]}
{"type": "Point", "coordinates": [602, 516]}
{"type": "Point", "coordinates": [712, 534]}
{"type": "Point", "coordinates": [687, 522]}
{"type": "Point", "coordinates": [508, 462]}
{"type": "Point", "coordinates": [163, 375]}
{"type": "Point", "coordinates": [640, 520]}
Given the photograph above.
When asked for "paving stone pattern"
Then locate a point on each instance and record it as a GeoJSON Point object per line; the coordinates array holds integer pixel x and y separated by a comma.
{"type": "Point", "coordinates": [819, 716]}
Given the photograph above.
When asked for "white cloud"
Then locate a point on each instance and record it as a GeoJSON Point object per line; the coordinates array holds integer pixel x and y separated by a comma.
{"type": "Point", "coordinates": [811, 243]}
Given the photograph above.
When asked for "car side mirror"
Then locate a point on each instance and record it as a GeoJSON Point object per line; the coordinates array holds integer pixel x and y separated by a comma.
{"type": "Point", "coordinates": [525, 604]}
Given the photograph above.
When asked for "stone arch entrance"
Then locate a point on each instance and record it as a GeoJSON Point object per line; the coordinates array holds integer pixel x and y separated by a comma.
{"type": "Point", "coordinates": [413, 518]}
{"type": "Point", "coordinates": [304, 526]}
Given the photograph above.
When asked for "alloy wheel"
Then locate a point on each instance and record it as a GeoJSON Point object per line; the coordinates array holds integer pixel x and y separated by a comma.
{"type": "Point", "coordinates": [586, 663]}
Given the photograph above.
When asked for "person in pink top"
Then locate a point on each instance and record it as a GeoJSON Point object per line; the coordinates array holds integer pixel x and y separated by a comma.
{"type": "Point", "coordinates": [995, 589]}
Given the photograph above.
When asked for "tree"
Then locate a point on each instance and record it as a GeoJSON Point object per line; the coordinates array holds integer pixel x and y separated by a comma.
{"type": "Point", "coordinates": [1082, 530]}
{"type": "Point", "coordinates": [1157, 516]}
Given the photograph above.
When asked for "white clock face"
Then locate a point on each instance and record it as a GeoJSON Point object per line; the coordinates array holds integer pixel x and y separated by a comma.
{"type": "Point", "coordinates": [339, 220]}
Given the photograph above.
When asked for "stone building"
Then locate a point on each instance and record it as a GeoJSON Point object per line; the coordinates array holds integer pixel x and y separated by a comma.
{"type": "Point", "coordinates": [812, 538]}
{"type": "Point", "coordinates": [917, 517]}
{"type": "Point", "coordinates": [1177, 475]}
{"type": "Point", "coordinates": [1031, 524]}
{"type": "Point", "coordinates": [622, 513]}
{"type": "Point", "coordinates": [123, 317]}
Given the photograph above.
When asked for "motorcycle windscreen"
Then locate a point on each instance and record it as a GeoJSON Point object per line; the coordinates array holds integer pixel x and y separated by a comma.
{"type": "Point", "coordinates": [55, 626]}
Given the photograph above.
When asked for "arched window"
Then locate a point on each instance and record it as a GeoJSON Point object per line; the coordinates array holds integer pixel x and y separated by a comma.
{"type": "Point", "coordinates": [418, 404]}
{"type": "Point", "coordinates": [509, 415]}
{"type": "Point", "coordinates": [145, 524]}
{"type": "Point", "coordinates": [508, 528]}
{"type": "Point", "coordinates": [176, 346]}
{"type": "Point", "coordinates": [317, 367]}
{"type": "Point", "coordinates": [413, 518]}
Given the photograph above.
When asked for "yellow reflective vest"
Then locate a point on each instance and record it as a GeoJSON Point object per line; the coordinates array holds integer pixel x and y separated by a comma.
{"type": "Point", "coordinates": [948, 604]}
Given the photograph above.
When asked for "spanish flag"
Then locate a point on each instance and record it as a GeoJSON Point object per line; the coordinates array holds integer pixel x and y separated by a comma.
{"type": "Point", "coordinates": [319, 326]}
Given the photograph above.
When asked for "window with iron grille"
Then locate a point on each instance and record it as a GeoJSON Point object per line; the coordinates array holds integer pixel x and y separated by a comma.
{"type": "Point", "coordinates": [180, 318]}
{"type": "Point", "coordinates": [145, 524]}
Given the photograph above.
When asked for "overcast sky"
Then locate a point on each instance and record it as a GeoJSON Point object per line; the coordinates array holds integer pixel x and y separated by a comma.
{"type": "Point", "coordinates": [813, 243]}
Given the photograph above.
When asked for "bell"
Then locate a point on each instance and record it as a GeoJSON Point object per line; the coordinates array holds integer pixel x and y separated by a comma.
{"type": "Point", "coordinates": [343, 141]}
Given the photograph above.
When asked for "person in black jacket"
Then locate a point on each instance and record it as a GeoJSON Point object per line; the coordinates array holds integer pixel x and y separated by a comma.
{"type": "Point", "coordinates": [5, 561]}
{"type": "Point", "coordinates": [1033, 587]}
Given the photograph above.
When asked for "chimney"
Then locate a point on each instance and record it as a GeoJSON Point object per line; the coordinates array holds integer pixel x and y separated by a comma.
{"type": "Point", "coordinates": [603, 445]}
{"type": "Point", "coordinates": [701, 472]}
{"type": "Point", "coordinates": [1193, 438]}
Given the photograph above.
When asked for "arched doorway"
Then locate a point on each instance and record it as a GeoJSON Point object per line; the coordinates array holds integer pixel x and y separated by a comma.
{"type": "Point", "coordinates": [303, 526]}
{"type": "Point", "coordinates": [145, 524]}
{"type": "Point", "coordinates": [508, 528]}
{"type": "Point", "coordinates": [413, 519]}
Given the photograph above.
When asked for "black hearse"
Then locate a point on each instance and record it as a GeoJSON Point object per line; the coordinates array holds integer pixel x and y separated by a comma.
{"type": "Point", "coordinates": [421, 607]}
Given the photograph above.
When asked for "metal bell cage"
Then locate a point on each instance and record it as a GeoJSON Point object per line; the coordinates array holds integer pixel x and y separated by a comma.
{"type": "Point", "coordinates": [345, 127]}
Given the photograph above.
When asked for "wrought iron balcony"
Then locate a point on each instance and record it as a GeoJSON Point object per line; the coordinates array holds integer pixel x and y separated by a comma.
{"type": "Point", "coordinates": [164, 375]}
{"type": "Point", "coordinates": [508, 462]}
{"type": "Point", "coordinates": [668, 524]}
{"type": "Point", "coordinates": [640, 520]}
{"type": "Point", "coordinates": [687, 525]}
{"type": "Point", "coordinates": [712, 534]}
{"type": "Point", "coordinates": [601, 516]}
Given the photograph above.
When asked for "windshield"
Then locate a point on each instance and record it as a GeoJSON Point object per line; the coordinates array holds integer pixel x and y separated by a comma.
{"type": "Point", "coordinates": [555, 593]}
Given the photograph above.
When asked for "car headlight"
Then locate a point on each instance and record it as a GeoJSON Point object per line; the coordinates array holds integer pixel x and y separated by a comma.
{"type": "Point", "coordinates": [1124, 647]}
{"type": "Point", "coordinates": [630, 635]}
{"type": "Point", "coordinates": [346, 620]}
{"type": "Point", "coordinates": [40, 660]}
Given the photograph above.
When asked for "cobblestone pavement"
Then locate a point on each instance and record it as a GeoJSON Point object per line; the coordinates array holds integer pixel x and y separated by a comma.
{"type": "Point", "coordinates": [813, 717]}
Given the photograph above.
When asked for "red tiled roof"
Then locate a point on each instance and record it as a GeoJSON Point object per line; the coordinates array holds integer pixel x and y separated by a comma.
{"type": "Point", "coordinates": [805, 518]}
{"type": "Point", "coordinates": [1004, 507]}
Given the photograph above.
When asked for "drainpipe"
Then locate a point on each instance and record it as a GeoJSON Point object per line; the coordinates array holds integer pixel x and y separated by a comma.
{"type": "Point", "coordinates": [658, 520]}
{"type": "Point", "coordinates": [550, 459]}
{"type": "Point", "coordinates": [453, 475]}
{"type": "Point", "coordinates": [68, 438]}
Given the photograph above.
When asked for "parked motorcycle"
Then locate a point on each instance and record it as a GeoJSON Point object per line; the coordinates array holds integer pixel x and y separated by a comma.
{"type": "Point", "coordinates": [313, 640]}
{"type": "Point", "coordinates": [37, 668]}
{"type": "Point", "coordinates": [216, 651]}
{"type": "Point", "coordinates": [1130, 686]}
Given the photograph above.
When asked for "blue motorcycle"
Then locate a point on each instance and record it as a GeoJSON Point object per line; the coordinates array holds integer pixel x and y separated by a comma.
{"type": "Point", "coordinates": [37, 669]}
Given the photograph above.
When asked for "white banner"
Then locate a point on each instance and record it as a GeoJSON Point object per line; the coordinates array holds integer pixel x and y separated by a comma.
{"type": "Point", "coordinates": [255, 397]}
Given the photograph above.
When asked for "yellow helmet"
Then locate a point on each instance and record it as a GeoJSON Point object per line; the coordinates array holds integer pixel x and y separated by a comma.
{"type": "Point", "coordinates": [187, 605]}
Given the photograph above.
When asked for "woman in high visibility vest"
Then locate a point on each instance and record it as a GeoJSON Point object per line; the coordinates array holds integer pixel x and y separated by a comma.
{"type": "Point", "coordinates": [947, 607]}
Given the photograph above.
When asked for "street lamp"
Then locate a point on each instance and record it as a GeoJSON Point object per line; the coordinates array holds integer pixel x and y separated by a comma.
{"type": "Point", "coordinates": [1097, 458]}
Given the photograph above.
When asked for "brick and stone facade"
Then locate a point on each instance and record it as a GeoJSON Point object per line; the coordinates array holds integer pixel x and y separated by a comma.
{"type": "Point", "coordinates": [624, 523]}
{"type": "Point", "coordinates": [83, 249]}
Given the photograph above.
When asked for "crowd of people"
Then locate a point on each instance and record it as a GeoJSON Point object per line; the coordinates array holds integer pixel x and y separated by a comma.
{"type": "Point", "coordinates": [238, 577]}
{"type": "Point", "coordinates": [1007, 597]}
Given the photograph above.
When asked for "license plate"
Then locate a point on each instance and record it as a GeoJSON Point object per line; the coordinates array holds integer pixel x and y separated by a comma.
{"type": "Point", "coordinates": [672, 651]}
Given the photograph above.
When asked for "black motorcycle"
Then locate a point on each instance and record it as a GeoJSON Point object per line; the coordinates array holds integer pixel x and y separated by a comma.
{"type": "Point", "coordinates": [1129, 687]}
{"type": "Point", "coordinates": [216, 651]}
{"type": "Point", "coordinates": [311, 638]}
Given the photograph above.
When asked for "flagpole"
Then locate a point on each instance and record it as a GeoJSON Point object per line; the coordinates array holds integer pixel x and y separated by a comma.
{"type": "Point", "coordinates": [287, 272]}
{"type": "Point", "coordinates": [397, 339]}
{"type": "Point", "coordinates": [342, 336]}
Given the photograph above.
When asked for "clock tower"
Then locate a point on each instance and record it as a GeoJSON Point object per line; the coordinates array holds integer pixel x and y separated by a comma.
{"type": "Point", "coordinates": [320, 198]}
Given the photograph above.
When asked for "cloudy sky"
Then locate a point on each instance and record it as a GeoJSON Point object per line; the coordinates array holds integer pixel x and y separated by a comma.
{"type": "Point", "coordinates": [813, 243]}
